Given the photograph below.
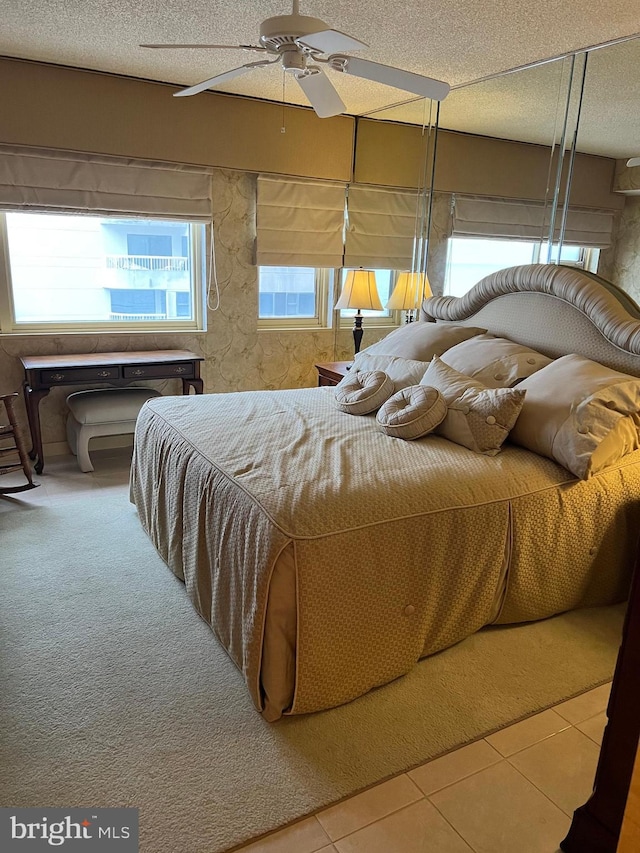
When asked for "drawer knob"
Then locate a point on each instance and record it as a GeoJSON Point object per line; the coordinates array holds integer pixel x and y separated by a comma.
{"type": "Point", "coordinates": [137, 372]}
{"type": "Point", "coordinates": [104, 374]}
{"type": "Point", "coordinates": [179, 369]}
{"type": "Point", "coordinates": [57, 377]}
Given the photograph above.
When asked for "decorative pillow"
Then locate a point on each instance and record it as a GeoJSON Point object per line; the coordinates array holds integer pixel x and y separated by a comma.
{"type": "Point", "coordinates": [403, 371]}
{"type": "Point", "coordinates": [421, 341]}
{"type": "Point", "coordinates": [363, 391]}
{"type": "Point", "coordinates": [412, 412]}
{"type": "Point", "coordinates": [496, 362]}
{"type": "Point", "coordinates": [478, 417]}
{"type": "Point", "coordinates": [580, 413]}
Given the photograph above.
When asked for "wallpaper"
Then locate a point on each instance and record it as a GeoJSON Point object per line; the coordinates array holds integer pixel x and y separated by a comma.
{"type": "Point", "coordinates": [626, 262]}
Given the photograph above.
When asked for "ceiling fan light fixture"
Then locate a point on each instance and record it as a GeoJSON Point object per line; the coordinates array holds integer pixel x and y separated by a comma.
{"type": "Point", "coordinates": [633, 161]}
{"type": "Point", "coordinates": [293, 39]}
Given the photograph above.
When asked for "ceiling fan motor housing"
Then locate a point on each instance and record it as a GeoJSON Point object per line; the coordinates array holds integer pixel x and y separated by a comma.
{"type": "Point", "coordinates": [279, 33]}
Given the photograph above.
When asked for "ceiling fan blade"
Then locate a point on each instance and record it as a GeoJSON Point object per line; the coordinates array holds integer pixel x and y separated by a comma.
{"type": "Point", "coordinates": [634, 161]}
{"type": "Point", "coordinates": [426, 87]}
{"type": "Point", "coordinates": [330, 41]}
{"type": "Point", "coordinates": [321, 94]}
{"type": "Point", "coordinates": [203, 46]}
{"type": "Point", "coordinates": [219, 78]}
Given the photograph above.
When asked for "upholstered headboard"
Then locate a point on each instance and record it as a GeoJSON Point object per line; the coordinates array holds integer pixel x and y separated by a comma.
{"type": "Point", "coordinates": [554, 309]}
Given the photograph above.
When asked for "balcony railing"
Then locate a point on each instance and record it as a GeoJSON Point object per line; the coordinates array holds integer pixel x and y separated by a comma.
{"type": "Point", "coordinates": [150, 263]}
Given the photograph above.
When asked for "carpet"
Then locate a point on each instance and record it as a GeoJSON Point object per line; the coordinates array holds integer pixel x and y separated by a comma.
{"type": "Point", "coordinates": [114, 692]}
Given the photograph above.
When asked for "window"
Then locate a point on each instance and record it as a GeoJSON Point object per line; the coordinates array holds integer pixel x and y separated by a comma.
{"type": "Point", "coordinates": [149, 244]}
{"type": "Point", "coordinates": [71, 272]}
{"type": "Point", "coordinates": [470, 259]}
{"type": "Point", "coordinates": [293, 296]}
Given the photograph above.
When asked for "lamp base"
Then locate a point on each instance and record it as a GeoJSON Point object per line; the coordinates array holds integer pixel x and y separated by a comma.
{"type": "Point", "coordinates": [357, 332]}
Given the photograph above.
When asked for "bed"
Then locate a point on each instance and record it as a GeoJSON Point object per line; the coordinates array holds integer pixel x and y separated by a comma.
{"type": "Point", "coordinates": [329, 557]}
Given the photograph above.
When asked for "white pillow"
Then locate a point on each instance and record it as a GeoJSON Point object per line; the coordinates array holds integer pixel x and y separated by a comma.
{"type": "Point", "coordinates": [412, 412]}
{"type": "Point", "coordinates": [580, 413]}
{"type": "Point", "coordinates": [362, 391]}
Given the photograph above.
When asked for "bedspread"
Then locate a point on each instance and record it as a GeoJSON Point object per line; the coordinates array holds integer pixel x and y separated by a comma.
{"type": "Point", "coordinates": [400, 548]}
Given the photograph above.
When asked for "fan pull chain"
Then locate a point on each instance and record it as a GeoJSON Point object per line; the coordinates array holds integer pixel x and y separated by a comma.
{"type": "Point", "coordinates": [283, 129]}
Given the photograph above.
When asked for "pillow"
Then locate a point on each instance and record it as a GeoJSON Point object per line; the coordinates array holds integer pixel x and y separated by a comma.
{"type": "Point", "coordinates": [402, 371]}
{"type": "Point", "coordinates": [363, 391]}
{"type": "Point", "coordinates": [496, 362]}
{"type": "Point", "coordinates": [580, 413]}
{"type": "Point", "coordinates": [478, 417]}
{"type": "Point", "coordinates": [421, 341]}
{"type": "Point", "coordinates": [412, 412]}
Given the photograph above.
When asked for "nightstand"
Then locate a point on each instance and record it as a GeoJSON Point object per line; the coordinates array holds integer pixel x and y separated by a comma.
{"type": "Point", "coordinates": [331, 372]}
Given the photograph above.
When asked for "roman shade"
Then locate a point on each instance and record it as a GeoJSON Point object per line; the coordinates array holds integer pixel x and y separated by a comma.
{"type": "Point", "coordinates": [528, 220]}
{"type": "Point", "coordinates": [299, 223]}
{"type": "Point", "coordinates": [381, 228]}
{"type": "Point", "coordinates": [51, 180]}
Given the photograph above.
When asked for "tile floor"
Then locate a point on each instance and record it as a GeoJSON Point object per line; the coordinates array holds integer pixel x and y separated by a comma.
{"type": "Point", "coordinates": [513, 791]}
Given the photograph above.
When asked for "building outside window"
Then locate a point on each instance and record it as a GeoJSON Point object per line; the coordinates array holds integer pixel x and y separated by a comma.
{"type": "Point", "coordinates": [293, 296]}
{"type": "Point", "coordinates": [65, 271]}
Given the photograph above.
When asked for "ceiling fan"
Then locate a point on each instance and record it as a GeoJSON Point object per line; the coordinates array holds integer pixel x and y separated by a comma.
{"type": "Point", "coordinates": [299, 42]}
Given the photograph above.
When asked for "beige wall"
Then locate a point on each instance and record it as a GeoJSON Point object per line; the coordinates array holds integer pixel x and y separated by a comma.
{"type": "Point", "coordinates": [391, 154]}
{"type": "Point", "coordinates": [52, 106]}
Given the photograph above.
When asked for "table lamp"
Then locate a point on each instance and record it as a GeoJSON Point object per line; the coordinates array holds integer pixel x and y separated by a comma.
{"type": "Point", "coordinates": [411, 288]}
{"type": "Point", "coordinates": [359, 291]}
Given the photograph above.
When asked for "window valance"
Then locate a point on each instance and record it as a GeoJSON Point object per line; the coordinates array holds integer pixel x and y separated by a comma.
{"type": "Point", "coordinates": [528, 220]}
{"type": "Point", "coordinates": [381, 227]}
{"type": "Point", "coordinates": [51, 180]}
{"type": "Point", "coordinates": [299, 223]}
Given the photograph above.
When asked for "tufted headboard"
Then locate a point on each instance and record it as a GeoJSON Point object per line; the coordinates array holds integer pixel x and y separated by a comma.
{"type": "Point", "coordinates": [554, 309]}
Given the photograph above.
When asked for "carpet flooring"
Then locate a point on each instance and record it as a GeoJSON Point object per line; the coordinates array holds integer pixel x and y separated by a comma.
{"type": "Point", "coordinates": [114, 692]}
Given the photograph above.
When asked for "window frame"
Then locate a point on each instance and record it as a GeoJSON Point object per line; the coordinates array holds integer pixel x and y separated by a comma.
{"type": "Point", "coordinates": [327, 316]}
{"type": "Point", "coordinates": [588, 259]}
{"type": "Point", "coordinates": [324, 277]}
{"type": "Point", "coordinates": [200, 241]}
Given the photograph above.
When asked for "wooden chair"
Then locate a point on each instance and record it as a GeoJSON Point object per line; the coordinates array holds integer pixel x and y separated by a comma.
{"type": "Point", "coordinates": [11, 432]}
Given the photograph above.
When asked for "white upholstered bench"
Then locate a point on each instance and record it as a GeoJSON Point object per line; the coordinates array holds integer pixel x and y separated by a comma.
{"type": "Point", "coordinates": [105, 411]}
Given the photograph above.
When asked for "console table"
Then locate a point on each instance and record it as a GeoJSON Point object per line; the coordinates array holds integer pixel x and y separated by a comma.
{"type": "Point", "coordinates": [43, 372]}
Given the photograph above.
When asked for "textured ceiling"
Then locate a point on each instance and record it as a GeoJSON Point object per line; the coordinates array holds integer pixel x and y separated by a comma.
{"type": "Point", "coordinates": [457, 42]}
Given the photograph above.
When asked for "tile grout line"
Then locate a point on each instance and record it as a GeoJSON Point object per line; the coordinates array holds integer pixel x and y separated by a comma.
{"type": "Point", "coordinates": [544, 794]}
{"type": "Point", "coordinates": [444, 818]}
{"type": "Point", "coordinates": [375, 820]}
{"type": "Point", "coordinates": [535, 742]}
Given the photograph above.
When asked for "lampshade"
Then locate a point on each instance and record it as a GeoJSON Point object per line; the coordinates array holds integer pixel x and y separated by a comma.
{"type": "Point", "coordinates": [360, 291]}
{"type": "Point", "coordinates": [411, 288]}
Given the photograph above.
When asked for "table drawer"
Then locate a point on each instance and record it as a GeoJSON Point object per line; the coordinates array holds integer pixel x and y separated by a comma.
{"type": "Point", "coordinates": [77, 374]}
{"type": "Point", "coordinates": [183, 370]}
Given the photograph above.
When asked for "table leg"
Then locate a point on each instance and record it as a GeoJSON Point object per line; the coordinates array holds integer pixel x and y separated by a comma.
{"type": "Point", "coordinates": [32, 402]}
{"type": "Point", "coordinates": [196, 384]}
